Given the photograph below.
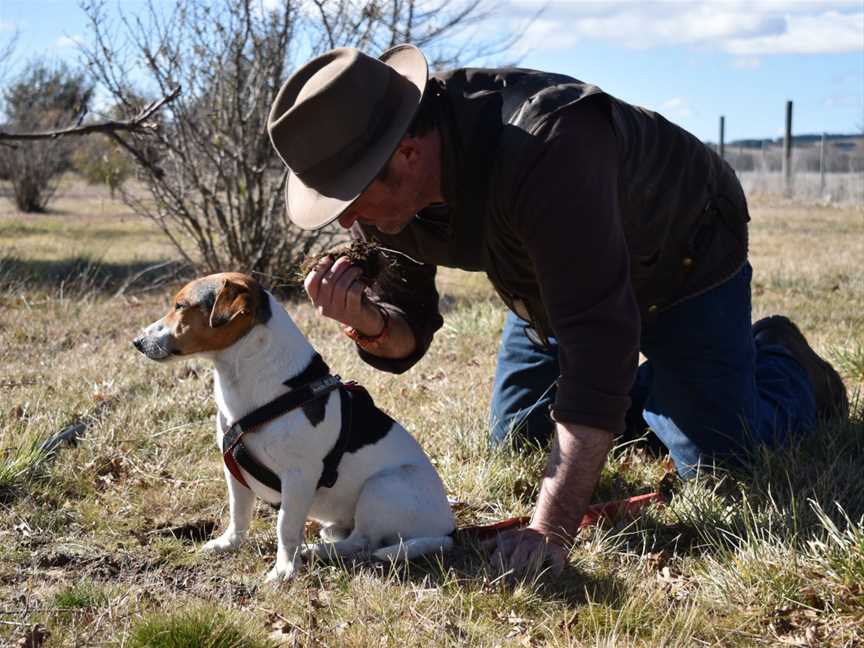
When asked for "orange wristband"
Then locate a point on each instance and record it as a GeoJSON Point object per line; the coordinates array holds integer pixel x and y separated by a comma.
{"type": "Point", "coordinates": [363, 340]}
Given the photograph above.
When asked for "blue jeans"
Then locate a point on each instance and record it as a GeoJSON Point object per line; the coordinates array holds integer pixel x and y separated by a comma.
{"type": "Point", "coordinates": [707, 392]}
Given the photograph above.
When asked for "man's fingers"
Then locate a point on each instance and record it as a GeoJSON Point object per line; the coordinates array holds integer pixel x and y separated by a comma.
{"type": "Point", "coordinates": [329, 296]}
{"type": "Point", "coordinates": [312, 282]}
{"type": "Point", "coordinates": [524, 551]}
{"type": "Point", "coordinates": [523, 555]}
{"type": "Point", "coordinates": [343, 285]}
{"type": "Point", "coordinates": [501, 546]}
{"type": "Point", "coordinates": [354, 297]}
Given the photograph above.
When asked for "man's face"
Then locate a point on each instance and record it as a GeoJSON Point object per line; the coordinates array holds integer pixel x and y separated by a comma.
{"type": "Point", "coordinates": [388, 204]}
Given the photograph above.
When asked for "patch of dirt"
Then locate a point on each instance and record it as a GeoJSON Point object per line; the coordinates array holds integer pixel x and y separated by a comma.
{"type": "Point", "coordinates": [197, 531]}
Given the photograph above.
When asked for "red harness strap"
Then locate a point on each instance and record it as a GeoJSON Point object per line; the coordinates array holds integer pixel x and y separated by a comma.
{"type": "Point", "coordinates": [233, 467]}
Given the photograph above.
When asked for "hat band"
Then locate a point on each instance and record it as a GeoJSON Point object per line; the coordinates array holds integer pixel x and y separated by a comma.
{"type": "Point", "coordinates": [352, 152]}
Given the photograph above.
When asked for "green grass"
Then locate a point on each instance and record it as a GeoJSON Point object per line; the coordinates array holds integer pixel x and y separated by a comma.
{"type": "Point", "coordinates": [21, 455]}
{"type": "Point", "coordinates": [81, 596]}
{"type": "Point", "coordinates": [201, 626]}
{"type": "Point", "coordinates": [770, 554]}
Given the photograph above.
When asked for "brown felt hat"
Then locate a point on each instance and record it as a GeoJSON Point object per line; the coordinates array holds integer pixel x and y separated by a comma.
{"type": "Point", "coordinates": [336, 122]}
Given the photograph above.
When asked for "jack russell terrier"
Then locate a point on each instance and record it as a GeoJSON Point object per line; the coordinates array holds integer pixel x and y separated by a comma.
{"type": "Point", "coordinates": [295, 436]}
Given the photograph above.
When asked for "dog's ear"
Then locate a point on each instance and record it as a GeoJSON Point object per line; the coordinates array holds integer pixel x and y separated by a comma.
{"type": "Point", "coordinates": [232, 301]}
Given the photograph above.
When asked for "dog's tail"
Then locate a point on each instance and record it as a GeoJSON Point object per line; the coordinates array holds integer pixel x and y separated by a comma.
{"type": "Point", "coordinates": [414, 548]}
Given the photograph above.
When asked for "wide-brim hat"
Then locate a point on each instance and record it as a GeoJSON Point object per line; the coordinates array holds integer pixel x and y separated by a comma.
{"type": "Point", "coordinates": [337, 121]}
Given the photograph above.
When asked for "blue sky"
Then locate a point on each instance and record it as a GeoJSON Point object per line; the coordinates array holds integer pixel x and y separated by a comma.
{"type": "Point", "coordinates": [691, 60]}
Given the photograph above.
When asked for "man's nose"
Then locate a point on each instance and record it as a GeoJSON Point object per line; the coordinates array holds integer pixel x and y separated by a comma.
{"type": "Point", "coordinates": [347, 219]}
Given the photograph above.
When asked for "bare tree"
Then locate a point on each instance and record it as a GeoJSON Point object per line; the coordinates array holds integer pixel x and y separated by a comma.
{"type": "Point", "coordinates": [42, 97]}
{"type": "Point", "coordinates": [7, 49]}
{"type": "Point", "coordinates": [215, 185]}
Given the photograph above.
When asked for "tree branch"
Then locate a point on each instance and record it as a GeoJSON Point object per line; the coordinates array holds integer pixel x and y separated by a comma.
{"type": "Point", "coordinates": [139, 123]}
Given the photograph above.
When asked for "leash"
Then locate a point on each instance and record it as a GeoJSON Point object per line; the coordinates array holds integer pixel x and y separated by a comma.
{"type": "Point", "coordinates": [629, 507]}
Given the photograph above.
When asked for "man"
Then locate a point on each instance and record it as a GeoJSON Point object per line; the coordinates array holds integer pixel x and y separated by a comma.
{"type": "Point", "coordinates": [604, 228]}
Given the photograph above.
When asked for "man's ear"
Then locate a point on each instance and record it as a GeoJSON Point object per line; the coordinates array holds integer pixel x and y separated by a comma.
{"type": "Point", "coordinates": [232, 301]}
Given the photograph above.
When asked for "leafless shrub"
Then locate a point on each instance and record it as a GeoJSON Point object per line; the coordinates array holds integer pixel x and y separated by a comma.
{"type": "Point", "coordinates": [215, 185]}
{"type": "Point", "coordinates": [102, 161]}
{"type": "Point", "coordinates": [7, 49]}
{"type": "Point", "coordinates": [42, 97]}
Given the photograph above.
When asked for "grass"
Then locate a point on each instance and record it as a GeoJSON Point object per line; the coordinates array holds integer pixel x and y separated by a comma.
{"type": "Point", "coordinates": [98, 542]}
{"type": "Point", "coordinates": [202, 626]}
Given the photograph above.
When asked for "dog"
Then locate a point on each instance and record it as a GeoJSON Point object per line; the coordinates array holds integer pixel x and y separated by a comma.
{"type": "Point", "coordinates": [372, 488]}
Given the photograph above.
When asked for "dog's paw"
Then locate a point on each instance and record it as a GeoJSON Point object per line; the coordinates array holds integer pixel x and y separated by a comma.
{"type": "Point", "coordinates": [281, 573]}
{"type": "Point", "coordinates": [224, 543]}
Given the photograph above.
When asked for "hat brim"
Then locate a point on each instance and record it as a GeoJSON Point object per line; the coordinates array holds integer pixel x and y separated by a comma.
{"type": "Point", "coordinates": [312, 209]}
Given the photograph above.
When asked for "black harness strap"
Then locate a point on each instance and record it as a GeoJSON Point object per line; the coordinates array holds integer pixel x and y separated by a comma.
{"type": "Point", "coordinates": [330, 472]}
{"type": "Point", "coordinates": [312, 383]}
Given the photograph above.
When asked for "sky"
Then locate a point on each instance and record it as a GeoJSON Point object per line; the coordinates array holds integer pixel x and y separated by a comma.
{"type": "Point", "coordinates": [691, 60]}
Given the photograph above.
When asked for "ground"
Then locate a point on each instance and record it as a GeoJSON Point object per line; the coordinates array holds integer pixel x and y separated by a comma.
{"type": "Point", "coordinates": [98, 543]}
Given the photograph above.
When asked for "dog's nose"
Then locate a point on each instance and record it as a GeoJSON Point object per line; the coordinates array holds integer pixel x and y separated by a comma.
{"type": "Point", "coordinates": [138, 342]}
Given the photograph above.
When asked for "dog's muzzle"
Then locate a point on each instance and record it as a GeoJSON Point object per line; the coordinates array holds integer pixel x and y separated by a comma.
{"type": "Point", "coordinates": [151, 347]}
{"type": "Point", "coordinates": [154, 342]}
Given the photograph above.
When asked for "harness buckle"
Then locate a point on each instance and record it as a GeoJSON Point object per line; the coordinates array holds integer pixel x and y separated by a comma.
{"type": "Point", "coordinates": [324, 385]}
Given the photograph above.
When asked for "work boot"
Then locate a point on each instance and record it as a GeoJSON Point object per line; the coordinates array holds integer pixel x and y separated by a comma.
{"type": "Point", "coordinates": [828, 388]}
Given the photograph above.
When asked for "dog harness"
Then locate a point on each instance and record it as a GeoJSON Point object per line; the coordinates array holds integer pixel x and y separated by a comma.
{"type": "Point", "coordinates": [312, 384]}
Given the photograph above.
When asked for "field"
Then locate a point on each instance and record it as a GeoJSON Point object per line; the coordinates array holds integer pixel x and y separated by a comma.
{"type": "Point", "coordinates": [98, 542]}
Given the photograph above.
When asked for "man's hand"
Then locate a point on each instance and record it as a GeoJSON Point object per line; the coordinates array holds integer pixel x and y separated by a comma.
{"type": "Point", "coordinates": [575, 460]}
{"type": "Point", "coordinates": [526, 551]}
{"type": "Point", "coordinates": [337, 292]}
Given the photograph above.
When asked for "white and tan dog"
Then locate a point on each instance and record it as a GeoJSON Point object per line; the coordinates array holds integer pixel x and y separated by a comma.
{"type": "Point", "coordinates": [386, 498]}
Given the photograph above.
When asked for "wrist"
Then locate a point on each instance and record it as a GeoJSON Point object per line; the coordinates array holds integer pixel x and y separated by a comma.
{"type": "Point", "coordinates": [553, 532]}
{"type": "Point", "coordinates": [366, 340]}
{"type": "Point", "coordinates": [376, 323]}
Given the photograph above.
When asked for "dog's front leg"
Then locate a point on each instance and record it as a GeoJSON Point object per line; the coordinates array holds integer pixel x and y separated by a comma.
{"type": "Point", "coordinates": [240, 503]}
{"type": "Point", "coordinates": [298, 489]}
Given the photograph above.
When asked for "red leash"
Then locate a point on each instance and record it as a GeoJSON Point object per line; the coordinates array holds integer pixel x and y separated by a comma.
{"type": "Point", "coordinates": [629, 507]}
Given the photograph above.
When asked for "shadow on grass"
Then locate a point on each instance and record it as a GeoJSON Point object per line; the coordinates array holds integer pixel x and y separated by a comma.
{"type": "Point", "coordinates": [823, 467]}
{"type": "Point", "coordinates": [84, 275]}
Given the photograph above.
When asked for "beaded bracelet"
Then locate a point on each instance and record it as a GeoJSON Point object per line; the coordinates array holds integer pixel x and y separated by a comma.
{"type": "Point", "coordinates": [364, 340]}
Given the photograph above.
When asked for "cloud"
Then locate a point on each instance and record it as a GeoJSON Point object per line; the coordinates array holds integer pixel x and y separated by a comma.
{"type": "Point", "coordinates": [7, 26]}
{"type": "Point", "coordinates": [741, 27]}
{"type": "Point", "coordinates": [676, 107]}
{"type": "Point", "coordinates": [828, 32]}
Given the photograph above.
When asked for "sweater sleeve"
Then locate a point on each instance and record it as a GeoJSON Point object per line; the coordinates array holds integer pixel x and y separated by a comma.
{"type": "Point", "coordinates": [566, 210]}
{"type": "Point", "coordinates": [414, 297]}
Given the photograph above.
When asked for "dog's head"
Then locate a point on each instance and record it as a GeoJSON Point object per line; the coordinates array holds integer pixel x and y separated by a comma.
{"type": "Point", "coordinates": [208, 314]}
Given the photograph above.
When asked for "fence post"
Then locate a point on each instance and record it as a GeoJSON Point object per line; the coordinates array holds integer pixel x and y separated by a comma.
{"type": "Point", "coordinates": [722, 136]}
{"type": "Point", "coordinates": [787, 150]}
{"type": "Point", "coordinates": [822, 167]}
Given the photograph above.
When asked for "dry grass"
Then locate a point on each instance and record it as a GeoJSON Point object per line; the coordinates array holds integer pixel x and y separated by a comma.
{"type": "Point", "coordinates": [773, 555]}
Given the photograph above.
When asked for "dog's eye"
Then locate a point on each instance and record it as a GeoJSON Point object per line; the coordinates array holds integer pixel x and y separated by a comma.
{"type": "Point", "coordinates": [179, 306]}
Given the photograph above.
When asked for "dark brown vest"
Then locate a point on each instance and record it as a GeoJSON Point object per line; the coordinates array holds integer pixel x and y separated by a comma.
{"type": "Point", "coordinates": [684, 214]}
